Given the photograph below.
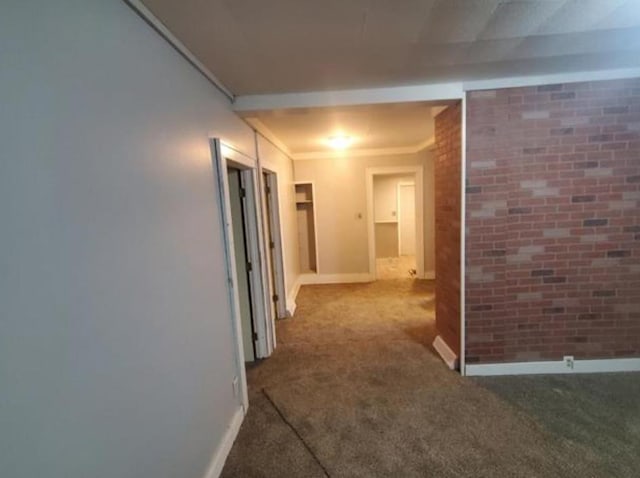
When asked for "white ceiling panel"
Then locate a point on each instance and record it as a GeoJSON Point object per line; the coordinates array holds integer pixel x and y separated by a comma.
{"type": "Point", "coordinates": [579, 16]}
{"type": "Point", "coordinates": [279, 46]}
{"type": "Point", "coordinates": [625, 16]}
{"type": "Point", "coordinates": [453, 21]}
{"type": "Point", "coordinates": [519, 18]}
{"type": "Point", "coordinates": [393, 22]}
{"type": "Point", "coordinates": [579, 43]}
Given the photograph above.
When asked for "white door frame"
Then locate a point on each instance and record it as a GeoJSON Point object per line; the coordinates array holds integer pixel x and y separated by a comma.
{"type": "Point", "coordinates": [399, 213]}
{"type": "Point", "coordinates": [276, 231]}
{"type": "Point", "coordinates": [223, 157]}
{"type": "Point", "coordinates": [314, 205]}
{"type": "Point", "coordinates": [418, 172]}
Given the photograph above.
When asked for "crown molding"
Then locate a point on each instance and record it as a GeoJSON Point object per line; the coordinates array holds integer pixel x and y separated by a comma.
{"type": "Point", "coordinates": [263, 130]}
{"type": "Point", "coordinates": [361, 153]}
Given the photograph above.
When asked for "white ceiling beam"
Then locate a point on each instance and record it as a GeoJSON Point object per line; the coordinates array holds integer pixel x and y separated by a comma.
{"type": "Point", "coordinates": [436, 92]}
{"type": "Point", "coordinates": [554, 78]}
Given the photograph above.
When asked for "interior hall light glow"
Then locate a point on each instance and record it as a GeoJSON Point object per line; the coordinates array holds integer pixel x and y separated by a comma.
{"type": "Point", "coordinates": [340, 142]}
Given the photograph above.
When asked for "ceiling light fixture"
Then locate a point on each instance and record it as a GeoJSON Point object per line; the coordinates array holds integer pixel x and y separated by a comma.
{"type": "Point", "coordinates": [340, 142]}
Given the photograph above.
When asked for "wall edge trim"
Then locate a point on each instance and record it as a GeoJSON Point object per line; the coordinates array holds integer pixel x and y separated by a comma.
{"type": "Point", "coordinates": [222, 451]}
{"type": "Point", "coordinates": [446, 354]}
{"type": "Point", "coordinates": [292, 296]}
{"type": "Point", "coordinates": [555, 367]}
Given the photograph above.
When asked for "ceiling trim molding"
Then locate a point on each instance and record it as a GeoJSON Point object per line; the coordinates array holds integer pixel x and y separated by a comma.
{"type": "Point", "coordinates": [154, 22]}
{"type": "Point", "coordinates": [436, 92]}
{"type": "Point", "coordinates": [269, 135]}
{"type": "Point", "coordinates": [519, 81]}
{"type": "Point", "coordinates": [361, 153]}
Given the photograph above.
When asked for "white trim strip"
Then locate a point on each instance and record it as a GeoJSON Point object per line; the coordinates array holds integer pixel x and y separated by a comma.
{"type": "Point", "coordinates": [155, 23]}
{"type": "Point", "coordinates": [537, 80]}
{"type": "Point", "coordinates": [436, 92]}
{"type": "Point", "coordinates": [292, 296]}
{"type": "Point", "coordinates": [463, 234]}
{"type": "Point", "coordinates": [448, 356]}
{"type": "Point", "coordinates": [555, 367]}
{"type": "Point", "coordinates": [360, 153]}
{"type": "Point", "coordinates": [222, 452]}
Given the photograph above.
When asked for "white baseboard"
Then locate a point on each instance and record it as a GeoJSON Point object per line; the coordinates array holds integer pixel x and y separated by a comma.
{"type": "Point", "coordinates": [220, 455]}
{"type": "Point", "coordinates": [291, 298]}
{"type": "Point", "coordinates": [448, 356]}
{"type": "Point", "coordinates": [554, 367]}
{"type": "Point", "coordinates": [334, 278]}
{"type": "Point", "coordinates": [429, 275]}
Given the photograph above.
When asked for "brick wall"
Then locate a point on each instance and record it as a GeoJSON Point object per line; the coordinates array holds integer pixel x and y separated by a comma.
{"type": "Point", "coordinates": [553, 222]}
{"type": "Point", "coordinates": [447, 224]}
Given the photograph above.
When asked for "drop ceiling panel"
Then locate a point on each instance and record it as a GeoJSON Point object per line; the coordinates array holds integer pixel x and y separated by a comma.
{"type": "Point", "coordinates": [519, 18]}
{"type": "Point", "coordinates": [454, 21]}
{"type": "Point", "coordinates": [625, 16]}
{"type": "Point", "coordinates": [390, 22]}
{"type": "Point", "coordinates": [579, 16]}
{"type": "Point", "coordinates": [277, 46]}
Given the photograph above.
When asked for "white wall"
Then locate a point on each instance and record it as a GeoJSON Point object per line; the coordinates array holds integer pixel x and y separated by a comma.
{"type": "Point", "coordinates": [116, 350]}
{"type": "Point", "coordinates": [276, 161]}
{"type": "Point", "coordinates": [341, 200]}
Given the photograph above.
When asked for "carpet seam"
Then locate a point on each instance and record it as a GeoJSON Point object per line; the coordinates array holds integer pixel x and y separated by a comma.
{"type": "Point", "coordinates": [293, 429]}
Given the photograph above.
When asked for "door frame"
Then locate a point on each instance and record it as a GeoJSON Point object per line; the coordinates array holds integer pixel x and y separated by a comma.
{"type": "Point", "coordinates": [399, 214]}
{"type": "Point", "coordinates": [225, 156]}
{"type": "Point", "coordinates": [418, 172]}
{"type": "Point", "coordinates": [273, 220]}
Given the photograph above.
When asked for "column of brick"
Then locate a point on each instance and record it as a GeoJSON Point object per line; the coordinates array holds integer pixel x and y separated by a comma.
{"type": "Point", "coordinates": [553, 222]}
{"type": "Point", "coordinates": [447, 223]}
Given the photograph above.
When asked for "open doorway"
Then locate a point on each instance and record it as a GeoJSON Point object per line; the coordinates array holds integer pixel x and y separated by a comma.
{"type": "Point", "coordinates": [395, 222]}
{"type": "Point", "coordinates": [239, 189]}
{"type": "Point", "coordinates": [394, 206]}
{"type": "Point", "coordinates": [239, 223]}
{"type": "Point", "coordinates": [273, 240]}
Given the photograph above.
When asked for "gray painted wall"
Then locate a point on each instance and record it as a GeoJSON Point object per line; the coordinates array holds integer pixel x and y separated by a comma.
{"type": "Point", "coordinates": [116, 355]}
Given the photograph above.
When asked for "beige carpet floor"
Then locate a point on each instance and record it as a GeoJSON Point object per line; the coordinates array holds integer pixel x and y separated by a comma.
{"type": "Point", "coordinates": [354, 389]}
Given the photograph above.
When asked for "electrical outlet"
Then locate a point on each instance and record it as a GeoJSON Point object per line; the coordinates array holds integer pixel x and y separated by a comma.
{"type": "Point", "coordinates": [234, 384]}
{"type": "Point", "coordinates": [568, 361]}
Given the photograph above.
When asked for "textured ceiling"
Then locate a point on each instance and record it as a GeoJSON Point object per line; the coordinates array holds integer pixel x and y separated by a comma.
{"type": "Point", "coordinates": [275, 46]}
{"type": "Point", "coordinates": [304, 131]}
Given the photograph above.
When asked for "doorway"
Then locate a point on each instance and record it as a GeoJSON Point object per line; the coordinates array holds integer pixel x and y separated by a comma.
{"type": "Point", "coordinates": [239, 189]}
{"type": "Point", "coordinates": [395, 222]}
{"type": "Point", "coordinates": [237, 201]}
{"type": "Point", "coordinates": [273, 240]}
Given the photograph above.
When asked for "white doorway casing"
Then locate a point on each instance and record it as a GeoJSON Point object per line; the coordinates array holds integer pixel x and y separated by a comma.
{"type": "Point", "coordinates": [224, 156]}
{"type": "Point", "coordinates": [418, 173]}
{"type": "Point", "coordinates": [273, 232]}
{"type": "Point", "coordinates": [406, 219]}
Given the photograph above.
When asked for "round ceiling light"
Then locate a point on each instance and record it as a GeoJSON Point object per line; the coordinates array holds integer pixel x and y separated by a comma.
{"type": "Point", "coordinates": [340, 141]}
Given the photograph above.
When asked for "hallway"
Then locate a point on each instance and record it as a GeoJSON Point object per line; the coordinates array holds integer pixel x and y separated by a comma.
{"type": "Point", "coordinates": [355, 389]}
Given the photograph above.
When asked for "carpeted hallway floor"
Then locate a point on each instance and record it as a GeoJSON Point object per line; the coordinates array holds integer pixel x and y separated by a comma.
{"type": "Point", "coordinates": [354, 389]}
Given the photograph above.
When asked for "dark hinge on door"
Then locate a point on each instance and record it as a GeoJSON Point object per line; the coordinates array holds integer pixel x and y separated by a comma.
{"type": "Point", "coordinates": [243, 192]}
{"type": "Point", "coordinates": [268, 189]}
{"type": "Point", "coordinates": [272, 244]}
{"type": "Point", "coordinates": [275, 297]}
{"type": "Point", "coordinates": [249, 267]}
{"type": "Point", "coordinates": [255, 336]}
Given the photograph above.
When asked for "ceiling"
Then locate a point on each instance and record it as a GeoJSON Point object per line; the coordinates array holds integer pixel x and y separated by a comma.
{"type": "Point", "coordinates": [390, 128]}
{"type": "Point", "coordinates": [277, 46]}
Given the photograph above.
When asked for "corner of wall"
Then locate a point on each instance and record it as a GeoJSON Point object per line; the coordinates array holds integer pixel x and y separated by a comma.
{"type": "Point", "coordinates": [292, 296]}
